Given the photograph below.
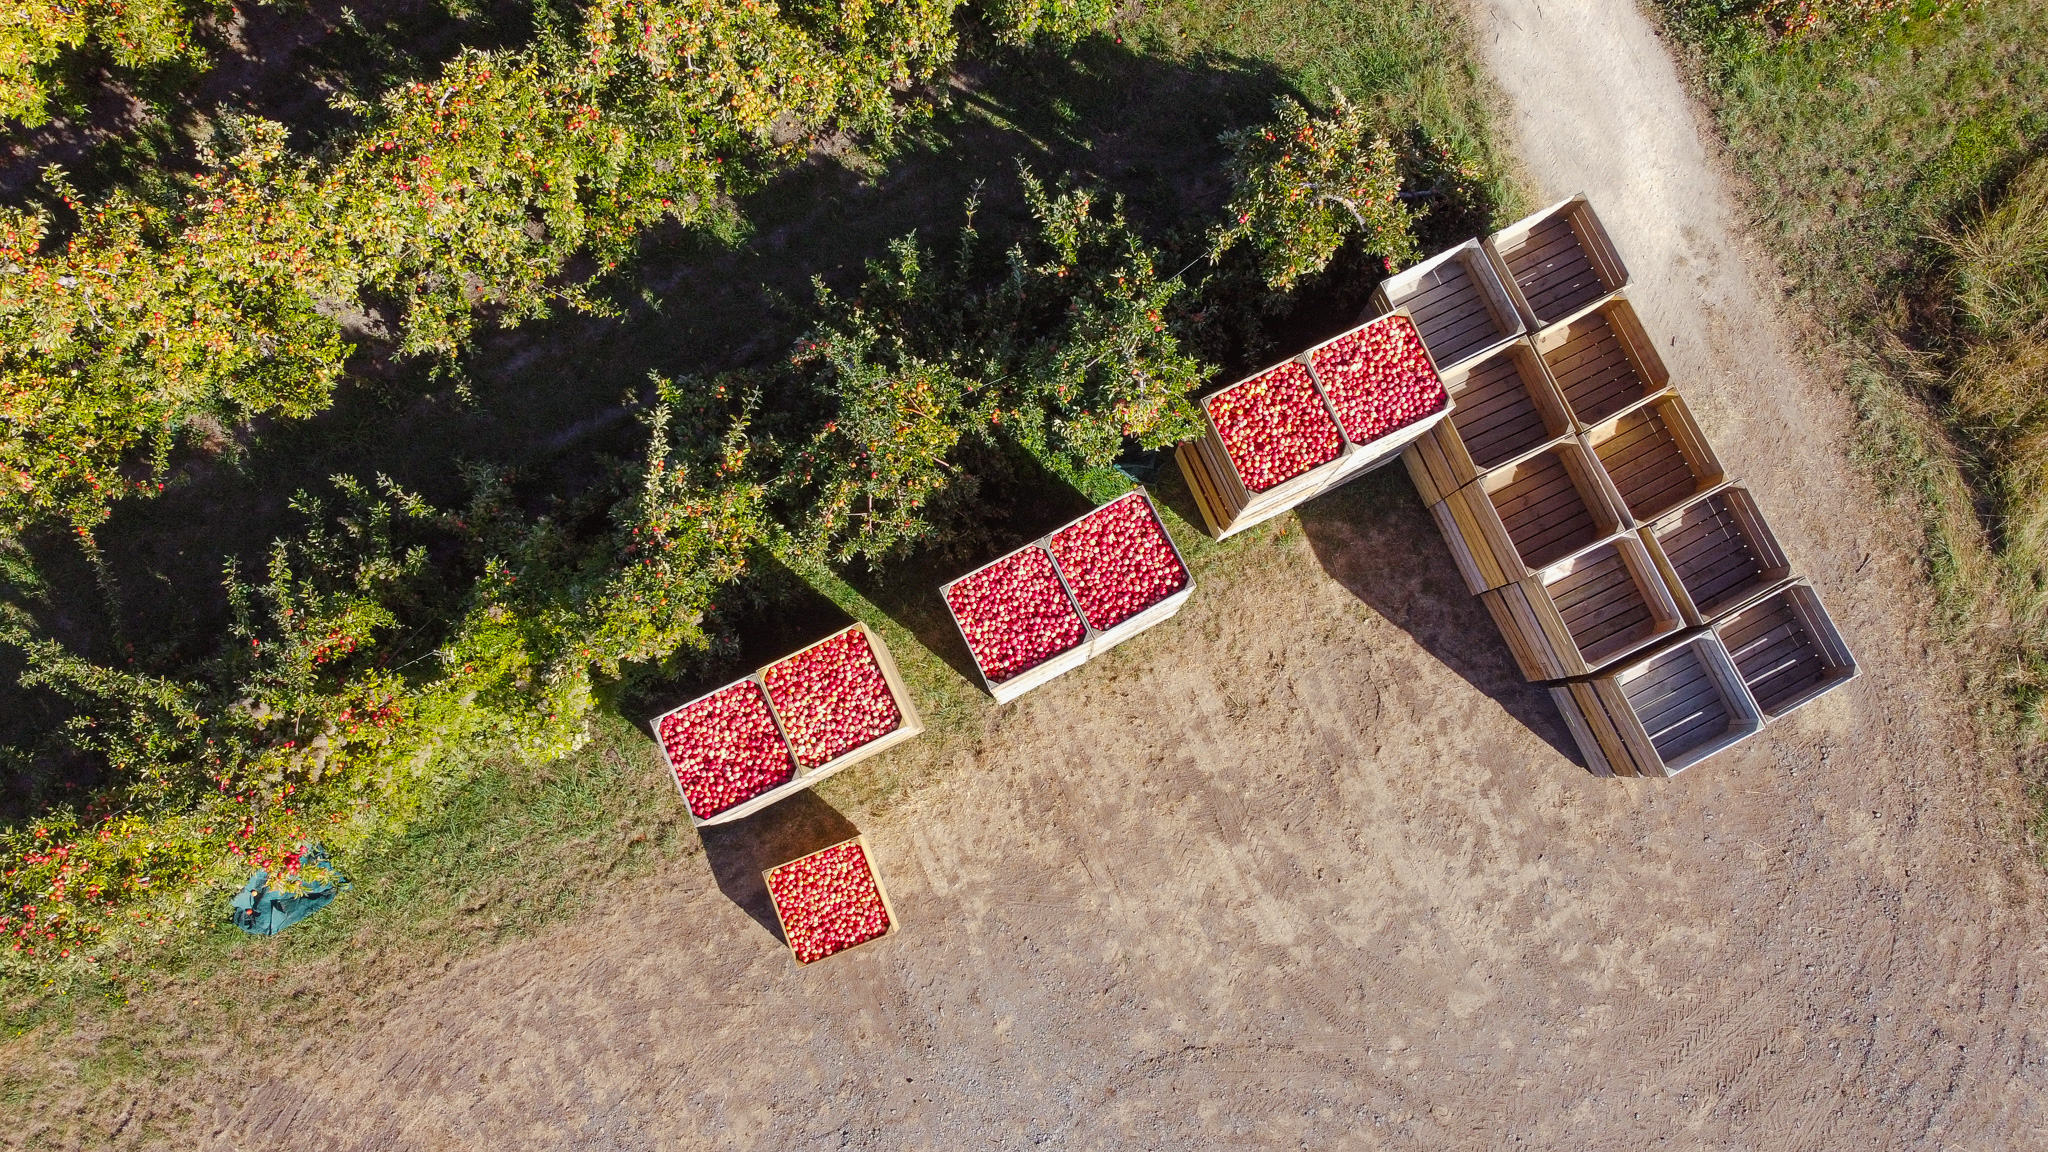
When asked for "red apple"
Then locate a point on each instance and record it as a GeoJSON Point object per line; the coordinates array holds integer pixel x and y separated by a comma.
{"type": "Point", "coordinates": [1118, 561]}
{"type": "Point", "coordinates": [832, 698]}
{"type": "Point", "coordinates": [1274, 426]}
{"type": "Point", "coordinates": [828, 901]}
{"type": "Point", "coordinates": [724, 749]}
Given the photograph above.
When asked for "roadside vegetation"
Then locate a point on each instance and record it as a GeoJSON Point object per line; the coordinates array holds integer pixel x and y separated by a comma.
{"type": "Point", "coordinates": [308, 541]}
{"type": "Point", "coordinates": [1894, 159]}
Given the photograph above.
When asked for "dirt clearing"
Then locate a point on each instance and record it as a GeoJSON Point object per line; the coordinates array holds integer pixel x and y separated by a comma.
{"type": "Point", "coordinates": [1311, 866]}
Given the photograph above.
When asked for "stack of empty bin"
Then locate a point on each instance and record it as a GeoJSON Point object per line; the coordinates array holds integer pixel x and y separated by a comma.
{"type": "Point", "coordinates": [1585, 509]}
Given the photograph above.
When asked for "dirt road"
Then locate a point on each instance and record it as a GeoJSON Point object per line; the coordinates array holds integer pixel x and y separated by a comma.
{"type": "Point", "coordinates": [1307, 867]}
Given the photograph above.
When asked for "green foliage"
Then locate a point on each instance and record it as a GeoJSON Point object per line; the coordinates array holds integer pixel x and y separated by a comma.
{"type": "Point", "coordinates": [1302, 184]}
{"type": "Point", "coordinates": [306, 726]}
{"type": "Point", "coordinates": [146, 318]}
{"type": "Point", "coordinates": [465, 196]}
{"type": "Point", "coordinates": [1793, 22]}
{"type": "Point", "coordinates": [1049, 23]}
{"type": "Point", "coordinates": [35, 34]}
{"type": "Point", "coordinates": [1060, 345]}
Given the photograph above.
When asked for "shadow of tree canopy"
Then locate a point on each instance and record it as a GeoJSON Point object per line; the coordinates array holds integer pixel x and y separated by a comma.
{"type": "Point", "coordinates": [550, 401]}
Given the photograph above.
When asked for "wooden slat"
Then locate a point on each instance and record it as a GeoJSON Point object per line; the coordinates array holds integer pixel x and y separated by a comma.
{"type": "Point", "coordinates": [1554, 263]}
{"type": "Point", "coordinates": [1711, 553]}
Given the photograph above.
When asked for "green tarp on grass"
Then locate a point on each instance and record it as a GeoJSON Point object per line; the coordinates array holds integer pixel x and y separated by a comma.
{"type": "Point", "coordinates": [261, 912]}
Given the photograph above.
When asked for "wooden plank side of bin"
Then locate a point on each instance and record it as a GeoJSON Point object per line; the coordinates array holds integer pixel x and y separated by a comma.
{"type": "Point", "coordinates": [1787, 649]}
{"type": "Point", "coordinates": [1506, 407]}
{"type": "Point", "coordinates": [1424, 460]}
{"type": "Point", "coordinates": [1588, 611]}
{"type": "Point", "coordinates": [1541, 509]}
{"type": "Point", "coordinates": [1534, 652]}
{"type": "Point", "coordinates": [1682, 688]}
{"type": "Point", "coordinates": [1582, 733]}
{"type": "Point", "coordinates": [1716, 553]}
{"type": "Point", "coordinates": [1603, 361]}
{"type": "Point", "coordinates": [1471, 537]}
{"type": "Point", "coordinates": [1461, 308]}
{"type": "Point", "coordinates": [1202, 486]}
{"type": "Point", "coordinates": [1557, 262]}
{"type": "Point", "coordinates": [874, 873]}
{"type": "Point", "coordinates": [1655, 457]}
{"type": "Point", "coordinates": [1597, 737]}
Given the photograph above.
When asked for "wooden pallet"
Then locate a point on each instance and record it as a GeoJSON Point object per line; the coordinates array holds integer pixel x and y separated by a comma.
{"type": "Point", "coordinates": [1716, 553]}
{"type": "Point", "coordinates": [1655, 457]}
{"type": "Point", "coordinates": [874, 874]}
{"type": "Point", "coordinates": [1584, 613]}
{"type": "Point", "coordinates": [1460, 307]}
{"type": "Point", "coordinates": [910, 724]}
{"type": "Point", "coordinates": [1603, 361]}
{"type": "Point", "coordinates": [1662, 713]}
{"type": "Point", "coordinates": [1094, 642]}
{"type": "Point", "coordinates": [1787, 649]}
{"type": "Point", "coordinates": [1504, 407]}
{"type": "Point", "coordinates": [1557, 262]}
{"type": "Point", "coordinates": [1516, 521]}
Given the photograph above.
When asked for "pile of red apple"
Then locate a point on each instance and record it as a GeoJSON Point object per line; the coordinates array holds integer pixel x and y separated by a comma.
{"type": "Point", "coordinates": [725, 749]}
{"type": "Point", "coordinates": [1118, 561]}
{"type": "Point", "coordinates": [828, 901]}
{"type": "Point", "coordinates": [832, 698]}
{"type": "Point", "coordinates": [1378, 378]}
{"type": "Point", "coordinates": [1014, 613]}
{"type": "Point", "coordinates": [1275, 426]}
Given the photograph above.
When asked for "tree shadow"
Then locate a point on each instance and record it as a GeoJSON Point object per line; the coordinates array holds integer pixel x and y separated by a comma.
{"type": "Point", "coordinates": [1375, 538]}
{"type": "Point", "coordinates": [739, 852]}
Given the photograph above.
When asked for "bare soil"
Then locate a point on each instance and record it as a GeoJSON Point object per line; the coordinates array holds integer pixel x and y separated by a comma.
{"type": "Point", "coordinates": [1311, 866]}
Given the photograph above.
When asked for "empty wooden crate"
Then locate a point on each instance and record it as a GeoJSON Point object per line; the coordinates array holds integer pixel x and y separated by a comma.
{"type": "Point", "coordinates": [1786, 649]}
{"type": "Point", "coordinates": [1585, 612]}
{"type": "Point", "coordinates": [1458, 301]}
{"type": "Point", "coordinates": [1603, 362]}
{"type": "Point", "coordinates": [1660, 714]}
{"type": "Point", "coordinates": [1716, 553]}
{"type": "Point", "coordinates": [1557, 262]}
{"type": "Point", "coordinates": [1503, 408]}
{"type": "Point", "coordinates": [1655, 457]}
{"type": "Point", "coordinates": [1516, 521]}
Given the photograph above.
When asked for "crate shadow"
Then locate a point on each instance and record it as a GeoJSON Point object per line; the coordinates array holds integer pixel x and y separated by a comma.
{"type": "Point", "coordinates": [741, 851]}
{"type": "Point", "coordinates": [1375, 538]}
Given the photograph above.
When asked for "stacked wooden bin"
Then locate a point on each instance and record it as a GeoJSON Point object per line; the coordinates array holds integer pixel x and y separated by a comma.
{"type": "Point", "coordinates": [1585, 509]}
{"type": "Point", "coordinates": [1311, 422]}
